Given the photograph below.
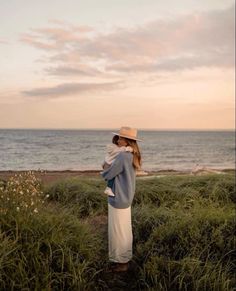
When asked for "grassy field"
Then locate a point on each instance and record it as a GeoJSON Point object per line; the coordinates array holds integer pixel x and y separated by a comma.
{"type": "Point", "coordinates": [54, 237]}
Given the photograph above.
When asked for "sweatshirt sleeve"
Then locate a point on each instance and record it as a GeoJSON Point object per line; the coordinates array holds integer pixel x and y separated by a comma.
{"type": "Point", "coordinates": [115, 169]}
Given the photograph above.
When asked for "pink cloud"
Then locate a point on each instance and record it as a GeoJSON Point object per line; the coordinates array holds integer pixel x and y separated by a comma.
{"type": "Point", "coordinates": [68, 89]}
{"type": "Point", "coordinates": [34, 41]}
{"type": "Point", "coordinates": [187, 42]}
{"type": "Point", "coordinates": [4, 41]}
{"type": "Point", "coordinates": [82, 70]}
{"type": "Point", "coordinates": [56, 38]}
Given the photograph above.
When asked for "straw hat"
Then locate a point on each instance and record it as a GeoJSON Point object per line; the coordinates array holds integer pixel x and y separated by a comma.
{"type": "Point", "coordinates": [127, 132]}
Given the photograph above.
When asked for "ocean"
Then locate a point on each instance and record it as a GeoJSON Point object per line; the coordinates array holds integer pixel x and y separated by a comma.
{"type": "Point", "coordinates": [26, 149]}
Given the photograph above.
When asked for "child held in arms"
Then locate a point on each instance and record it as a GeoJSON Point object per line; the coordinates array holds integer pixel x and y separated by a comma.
{"type": "Point", "coordinates": [112, 152]}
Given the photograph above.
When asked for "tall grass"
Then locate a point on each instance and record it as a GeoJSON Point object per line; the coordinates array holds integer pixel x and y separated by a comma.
{"type": "Point", "coordinates": [183, 230]}
{"type": "Point", "coordinates": [186, 242]}
{"type": "Point", "coordinates": [50, 249]}
{"type": "Point", "coordinates": [83, 196]}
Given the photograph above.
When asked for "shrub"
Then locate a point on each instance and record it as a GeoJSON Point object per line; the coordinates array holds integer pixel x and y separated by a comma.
{"type": "Point", "coordinates": [21, 196]}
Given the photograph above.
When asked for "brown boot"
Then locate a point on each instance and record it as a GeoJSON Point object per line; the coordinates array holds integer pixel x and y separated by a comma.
{"type": "Point", "coordinates": [121, 267]}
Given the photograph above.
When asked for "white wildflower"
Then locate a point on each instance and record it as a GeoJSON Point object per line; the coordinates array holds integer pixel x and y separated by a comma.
{"type": "Point", "coordinates": [35, 210]}
{"type": "Point", "coordinates": [18, 208]}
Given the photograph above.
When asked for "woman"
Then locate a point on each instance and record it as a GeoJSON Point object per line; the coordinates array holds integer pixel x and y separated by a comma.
{"type": "Point", "coordinates": [123, 171]}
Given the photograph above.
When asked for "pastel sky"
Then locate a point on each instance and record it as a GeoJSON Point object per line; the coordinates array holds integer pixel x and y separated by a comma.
{"type": "Point", "coordinates": [154, 64]}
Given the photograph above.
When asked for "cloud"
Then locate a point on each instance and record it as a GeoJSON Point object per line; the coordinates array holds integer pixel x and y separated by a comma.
{"type": "Point", "coordinates": [56, 38]}
{"type": "Point", "coordinates": [68, 89]}
{"type": "Point", "coordinates": [70, 71]}
{"type": "Point", "coordinates": [4, 41]}
{"type": "Point", "coordinates": [219, 59]}
{"type": "Point", "coordinates": [35, 41]}
{"type": "Point", "coordinates": [186, 42]}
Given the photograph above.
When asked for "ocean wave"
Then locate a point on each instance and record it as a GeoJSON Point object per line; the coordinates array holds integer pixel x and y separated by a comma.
{"type": "Point", "coordinates": [81, 150]}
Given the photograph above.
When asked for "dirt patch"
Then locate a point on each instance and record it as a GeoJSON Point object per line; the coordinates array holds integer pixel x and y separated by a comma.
{"type": "Point", "coordinates": [51, 176]}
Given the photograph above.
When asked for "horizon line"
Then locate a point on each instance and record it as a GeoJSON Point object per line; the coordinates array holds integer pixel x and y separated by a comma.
{"type": "Point", "coordinates": [113, 128]}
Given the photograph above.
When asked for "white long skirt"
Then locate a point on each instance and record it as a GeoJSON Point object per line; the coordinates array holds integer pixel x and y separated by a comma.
{"type": "Point", "coordinates": [120, 236]}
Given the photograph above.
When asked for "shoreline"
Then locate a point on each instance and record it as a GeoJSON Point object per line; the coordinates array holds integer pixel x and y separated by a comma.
{"type": "Point", "coordinates": [49, 176]}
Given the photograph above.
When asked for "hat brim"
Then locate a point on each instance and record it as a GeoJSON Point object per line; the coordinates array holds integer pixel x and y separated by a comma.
{"type": "Point", "coordinates": [127, 136]}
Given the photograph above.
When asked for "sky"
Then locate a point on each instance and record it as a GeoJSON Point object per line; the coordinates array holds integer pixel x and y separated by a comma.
{"type": "Point", "coordinates": [147, 64]}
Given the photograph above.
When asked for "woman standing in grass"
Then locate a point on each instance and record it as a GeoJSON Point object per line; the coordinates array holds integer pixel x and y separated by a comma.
{"type": "Point", "coordinates": [123, 171]}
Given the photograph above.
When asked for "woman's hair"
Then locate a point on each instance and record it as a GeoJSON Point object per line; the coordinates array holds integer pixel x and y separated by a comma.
{"type": "Point", "coordinates": [136, 153]}
{"type": "Point", "coordinates": [115, 139]}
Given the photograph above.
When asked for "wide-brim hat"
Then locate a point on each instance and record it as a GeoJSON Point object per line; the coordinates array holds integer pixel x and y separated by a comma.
{"type": "Point", "coordinates": [128, 132]}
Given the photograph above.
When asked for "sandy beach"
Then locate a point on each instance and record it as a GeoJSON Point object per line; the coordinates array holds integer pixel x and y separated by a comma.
{"type": "Point", "coordinates": [53, 176]}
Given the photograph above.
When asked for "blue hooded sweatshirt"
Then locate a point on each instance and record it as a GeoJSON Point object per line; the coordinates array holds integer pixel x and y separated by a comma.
{"type": "Point", "coordinates": [123, 171]}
